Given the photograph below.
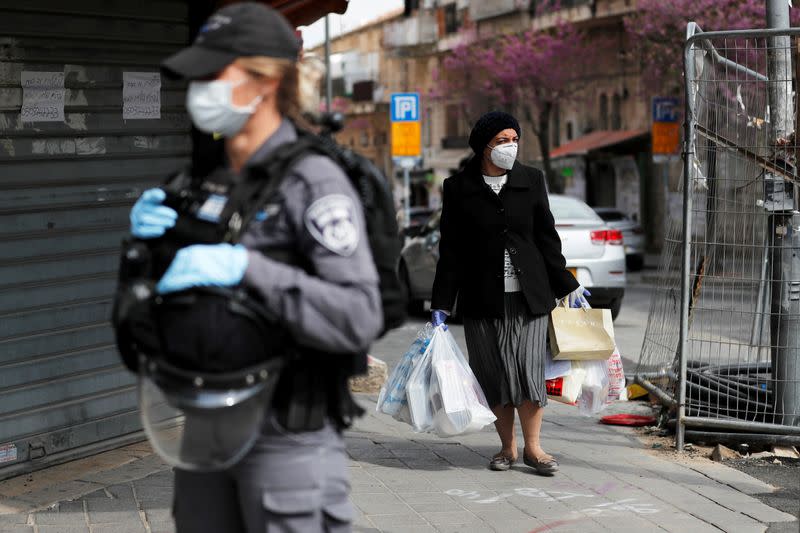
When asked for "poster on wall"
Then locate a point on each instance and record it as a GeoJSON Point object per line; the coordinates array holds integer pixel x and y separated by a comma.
{"type": "Point", "coordinates": [43, 96]}
{"type": "Point", "coordinates": [141, 95]}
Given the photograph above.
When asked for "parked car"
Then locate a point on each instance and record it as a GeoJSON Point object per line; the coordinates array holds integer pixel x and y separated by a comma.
{"type": "Point", "coordinates": [418, 217]}
{"type": "Point", "coordinates": [594, 253]}
{"type": "Point", "coordinates": [632, 233]}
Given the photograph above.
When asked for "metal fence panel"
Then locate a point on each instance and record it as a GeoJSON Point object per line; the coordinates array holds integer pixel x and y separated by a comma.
{"type": "Point", "coordinates": [721, 347]}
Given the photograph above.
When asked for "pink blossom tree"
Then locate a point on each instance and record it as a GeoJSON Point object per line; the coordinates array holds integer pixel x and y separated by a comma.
{"type": "Point", "coordinates": [659, 30]}
{"type": "Point", "coordinates": [529, 75]}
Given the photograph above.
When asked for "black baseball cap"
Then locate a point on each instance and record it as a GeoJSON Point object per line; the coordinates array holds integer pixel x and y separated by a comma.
{"type": "Point", "coordinates": [238, 30]}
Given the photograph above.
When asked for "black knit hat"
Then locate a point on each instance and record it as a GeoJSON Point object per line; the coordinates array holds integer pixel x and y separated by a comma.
{"type": "Point", "coordinates": [488, 126]}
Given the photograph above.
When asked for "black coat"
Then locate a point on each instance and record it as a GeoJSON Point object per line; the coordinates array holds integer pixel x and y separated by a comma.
{"type": "Point", "coordinates": [477, 225]}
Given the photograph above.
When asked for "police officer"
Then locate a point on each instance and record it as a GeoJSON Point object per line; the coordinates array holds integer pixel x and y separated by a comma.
{"type": "Point", "coordinates": [243, 85]}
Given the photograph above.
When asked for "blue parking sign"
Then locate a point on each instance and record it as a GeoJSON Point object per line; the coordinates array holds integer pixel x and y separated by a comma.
{"type": "Point", "coordinates": [665, 109]}
{"type": "Point", "coordinates": [405, 107]}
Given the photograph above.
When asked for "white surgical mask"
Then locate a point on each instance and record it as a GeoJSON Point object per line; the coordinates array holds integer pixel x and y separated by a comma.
{"type": "Point", "coordinates": [210, 104]}
{"type": "Point", "coordinates": [504, 155]}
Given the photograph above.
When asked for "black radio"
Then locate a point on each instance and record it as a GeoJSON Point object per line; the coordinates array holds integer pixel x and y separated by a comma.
{"type": "Point", "coordinates": [202, 207]}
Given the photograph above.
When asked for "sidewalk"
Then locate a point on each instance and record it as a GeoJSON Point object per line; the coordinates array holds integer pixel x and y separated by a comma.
{"type": "Point", "coordinates": [407, 482]}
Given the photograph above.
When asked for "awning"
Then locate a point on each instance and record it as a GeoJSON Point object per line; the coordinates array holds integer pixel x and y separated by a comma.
{"type": "Point", "coordinates": [595, 141]}
{"type": "Point", "coordinates": [302, 12]}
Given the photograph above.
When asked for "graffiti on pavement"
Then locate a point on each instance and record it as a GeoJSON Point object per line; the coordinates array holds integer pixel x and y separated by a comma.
{"type": "Point", "coordinates": [529, 492]}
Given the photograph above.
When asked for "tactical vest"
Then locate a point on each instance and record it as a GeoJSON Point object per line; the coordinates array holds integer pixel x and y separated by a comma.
{"type": "Point", "coordinates": [218, 329]}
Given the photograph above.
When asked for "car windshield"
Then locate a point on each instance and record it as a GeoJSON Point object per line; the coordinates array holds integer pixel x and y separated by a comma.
{"type": "Point", "coordinates": [569, 208]}
{"type": "Point", "coordinates": [611, 216]}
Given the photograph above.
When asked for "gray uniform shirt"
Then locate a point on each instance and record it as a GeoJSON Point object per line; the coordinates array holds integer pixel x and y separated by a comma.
{"type": "Point", "coordinates": [337, 310]}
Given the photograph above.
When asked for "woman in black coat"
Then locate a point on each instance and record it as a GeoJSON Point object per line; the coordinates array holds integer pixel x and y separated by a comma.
{"type": "Point", "coordinates": [501, 256]}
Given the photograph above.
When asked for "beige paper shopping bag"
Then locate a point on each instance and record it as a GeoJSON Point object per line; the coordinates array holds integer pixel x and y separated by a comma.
{"type": "Point", "coordinates": [581, 334]}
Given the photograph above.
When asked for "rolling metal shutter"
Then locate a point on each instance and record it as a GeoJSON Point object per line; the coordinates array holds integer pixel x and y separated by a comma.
{"type": "Point", "coordinates": [66, 189]}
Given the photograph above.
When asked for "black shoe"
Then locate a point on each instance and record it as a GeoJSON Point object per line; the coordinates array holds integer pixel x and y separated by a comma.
{"type": "Point", "coordinates": [501, 463]}
{"type": "Point", "coordinates": [546, 467]}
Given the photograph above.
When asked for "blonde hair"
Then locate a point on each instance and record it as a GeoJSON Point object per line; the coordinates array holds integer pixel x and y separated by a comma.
{"type": "Point", "coordinates": [298, 88]}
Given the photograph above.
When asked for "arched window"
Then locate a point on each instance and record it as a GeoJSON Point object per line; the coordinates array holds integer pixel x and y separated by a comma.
{"type": "Point", "coordinates": [616, 112]}
{"type": "Point", "coordinates": [603, 119]}
{"type": "Point", "coordinates": [570, 133]}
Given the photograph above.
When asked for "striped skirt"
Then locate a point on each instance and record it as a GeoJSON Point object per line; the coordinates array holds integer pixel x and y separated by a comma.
{"type": "Point", "coordinates": [508, 355]}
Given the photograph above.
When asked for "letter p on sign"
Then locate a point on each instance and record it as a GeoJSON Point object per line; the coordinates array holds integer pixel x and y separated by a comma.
{"type": "Point", "coordinates": [405, 107]}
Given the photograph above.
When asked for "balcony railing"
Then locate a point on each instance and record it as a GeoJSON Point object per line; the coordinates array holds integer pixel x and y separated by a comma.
{"type": "Point", "coordinates": [418, 30]}
{"type": "Point", "coordinates": [481, 9]}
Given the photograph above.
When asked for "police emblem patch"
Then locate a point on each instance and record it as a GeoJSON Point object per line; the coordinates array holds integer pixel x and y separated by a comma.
{"type": "Point", "coordinates": [331, 220]}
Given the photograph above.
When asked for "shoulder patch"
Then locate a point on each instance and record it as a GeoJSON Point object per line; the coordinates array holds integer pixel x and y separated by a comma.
{"type": "Point", "coordinates": [332, 221]}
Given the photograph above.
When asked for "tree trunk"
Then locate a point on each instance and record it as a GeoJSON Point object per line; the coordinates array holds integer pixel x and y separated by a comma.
{"type": "Point", "coordinates": [555, 182]}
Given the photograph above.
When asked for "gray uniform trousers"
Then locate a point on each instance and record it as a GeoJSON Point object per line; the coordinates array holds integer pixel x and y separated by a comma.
{"type": "Point", "coordinates": [288, 483]}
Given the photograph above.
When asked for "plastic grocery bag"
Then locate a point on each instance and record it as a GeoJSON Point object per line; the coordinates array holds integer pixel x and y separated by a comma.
{"type": "Point", "coordinates": [392, 399]}
{"type": "Point", "coordinates": [443, 394]}
{"type": "Point", "coordinates": [457, 401]}
{"type": "Point", "coordinates": [563, 382]}
{"type": "Point", "coordinates": [555, 369]}
{"type": "Point", "coordinates": [616, 376]}
{"type": "Point", "coordinates": [419, 408]}
{"type": "Point", "coordinates": [566, 389]}
{"type": "Point", "coordinates": [594, 392]}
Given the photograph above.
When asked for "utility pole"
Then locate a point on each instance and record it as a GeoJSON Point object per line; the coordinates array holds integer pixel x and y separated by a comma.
{"type": "Point", "coordinates": [783, 230]}
{"type": "Point", "coordinates": [328, 80]}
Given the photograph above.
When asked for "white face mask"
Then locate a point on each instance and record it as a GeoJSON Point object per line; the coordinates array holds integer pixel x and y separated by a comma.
{"type": "Point", "coordinates": [504, 155]}
{"type": "Point", "coordinates": [210, 104]}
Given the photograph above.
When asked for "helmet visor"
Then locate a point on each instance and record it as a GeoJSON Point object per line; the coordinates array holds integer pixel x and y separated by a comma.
{"type": "Point", "coordinates": [201, 430]}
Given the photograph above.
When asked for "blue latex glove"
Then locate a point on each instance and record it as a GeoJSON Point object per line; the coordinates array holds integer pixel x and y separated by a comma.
{"type": "Point", "coordinates": [438, 318]}
{"type": "Point", "coordinates": [205, 265]}
{"type": "Point", "coordinates": [150, 219]}
{"type": "Point", "coordinates": [577, 298]}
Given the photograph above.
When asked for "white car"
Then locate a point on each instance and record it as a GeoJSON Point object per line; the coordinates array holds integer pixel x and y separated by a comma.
{"type": "Point", "coordinates": [632, 233]}
{"type": "Point", "coordinates": [594, 253]}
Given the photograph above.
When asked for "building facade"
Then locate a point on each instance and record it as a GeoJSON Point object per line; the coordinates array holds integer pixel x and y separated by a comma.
{"type": "Point", "coordinates": [599, 142]}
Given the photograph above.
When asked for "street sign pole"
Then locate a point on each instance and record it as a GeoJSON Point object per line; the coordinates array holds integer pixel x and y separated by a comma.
{"type": "Point", "coordinates": [783, 239]}
{"type": "Point", "coordinates": [328, 79]}
{"type": "Point", "coordinates": [406, 141]}
{"type": "Point", "coordinates": [407, 196]}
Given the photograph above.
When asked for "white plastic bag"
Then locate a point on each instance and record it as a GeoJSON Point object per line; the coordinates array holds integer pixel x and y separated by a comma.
{"type": "Point", "coordinates": [417, 388]}
{"type": "Point", "coordinates": [616, 376]}
{"type": "Point", "coordinates": [443, 394]}
{"type": "Point", "coordinates": [457, 401]}
{"type": "Point", "coordinates": [555, 369]}
{"type": "Point", "coordinates": [594, 392]}
{"type": "Point", "coordinates": [566, 389]}
{"type": "Point", "coordinates": [563, 382]}
{"type": "Point", "coordinates": [392, 399]}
